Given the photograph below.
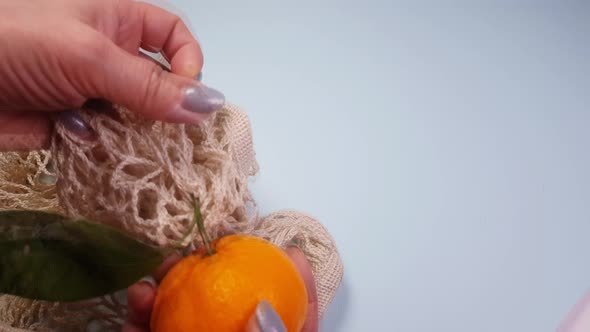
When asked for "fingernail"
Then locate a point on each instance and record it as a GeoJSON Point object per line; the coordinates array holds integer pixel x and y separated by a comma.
{"type": "Point", "coordinates": [293, 243]}
{"type": "Point", "coordinates": [199, 77]}
{"type": "Point", "coordinates": [202, 99]}
{"type": "Point", "coordinates": [74, 123]}
{"type": "Point", "coordinates": [148, 281]}
{"type": "Point", "coordinates": [268, 319]}
{"type": "Point", "coordinates": [156, 58]}
{"type": "Point", "coordinates": [198, 101]}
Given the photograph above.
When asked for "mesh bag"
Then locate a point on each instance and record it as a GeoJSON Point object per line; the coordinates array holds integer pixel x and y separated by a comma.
{"type": "Point", "coordinates": [139, 176]}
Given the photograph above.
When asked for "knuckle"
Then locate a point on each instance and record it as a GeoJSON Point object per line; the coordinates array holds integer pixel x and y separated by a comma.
{"type": "Point", "coordinates": [89, 48]}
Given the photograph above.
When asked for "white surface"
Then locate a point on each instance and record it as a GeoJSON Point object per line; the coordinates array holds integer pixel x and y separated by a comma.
{"type": "Point", "coordinates": [445, 147]}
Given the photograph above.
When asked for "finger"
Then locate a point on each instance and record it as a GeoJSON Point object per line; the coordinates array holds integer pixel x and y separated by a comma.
{"type": "Point", "coordinates": [265, 318]}
{"type": "Point", "coordinates": [166, 266]}
{"type": "Point", "coordinates": [164, 31]}
{"type": "Point", "coordinates": [128, 327]}
{"type": "Point", "coordinates": [140, 300]}
{"type": "Point", "coordinates": [141, 295]}
{"type": "Point", "coordinates": [144, 87]}
{"type": "Point", "coordinates": [157, 59]}
{"type": "Point", "coordinates": [253, 325]}
{"type": "Point", "coordinates": [24, 131]}
{"type": "Point", "coordinates": [312, 320]}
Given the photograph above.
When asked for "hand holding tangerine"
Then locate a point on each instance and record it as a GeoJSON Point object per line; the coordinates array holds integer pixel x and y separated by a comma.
{"type": "Point", "coordinates": [232, 283]}
{"type": "Point", "coordinates": [141, 297]}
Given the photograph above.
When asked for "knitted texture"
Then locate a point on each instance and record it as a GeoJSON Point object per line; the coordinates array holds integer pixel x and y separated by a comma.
{"type": "Point", "coordinates": [140, 177]}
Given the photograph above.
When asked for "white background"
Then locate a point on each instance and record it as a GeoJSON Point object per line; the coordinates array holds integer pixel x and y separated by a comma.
{"type": "Point", "coordinates": [445, 147]}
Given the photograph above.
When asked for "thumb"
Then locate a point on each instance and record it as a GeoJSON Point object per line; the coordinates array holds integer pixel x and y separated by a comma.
{"type": "Point", "coordinates": [143, 86]}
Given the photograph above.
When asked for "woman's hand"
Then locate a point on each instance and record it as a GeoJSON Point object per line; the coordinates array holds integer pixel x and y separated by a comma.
{"type": "Point", "coordinates": [141, 299]}
{"type": "Point", "coordinates": [56, 54]}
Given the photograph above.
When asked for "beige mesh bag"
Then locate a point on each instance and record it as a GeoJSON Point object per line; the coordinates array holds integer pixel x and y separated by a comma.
{"type": "Point", "coordinates": [139, 176]}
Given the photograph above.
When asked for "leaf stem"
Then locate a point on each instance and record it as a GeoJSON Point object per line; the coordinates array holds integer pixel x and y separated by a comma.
{"type": "Point", "coordinates": [198, 218]}
{"type": "Point", "coordinates": [188, 233]}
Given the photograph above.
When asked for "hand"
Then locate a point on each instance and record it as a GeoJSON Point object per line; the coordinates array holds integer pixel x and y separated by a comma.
{"type": "Point", "coordinates": [140, 298]}
{"type": "Point", "coordinates": [57, 54]}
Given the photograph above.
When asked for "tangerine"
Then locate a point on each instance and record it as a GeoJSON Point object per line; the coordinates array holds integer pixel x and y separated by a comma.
{"type": "Point", "coordinates": [219, 291]}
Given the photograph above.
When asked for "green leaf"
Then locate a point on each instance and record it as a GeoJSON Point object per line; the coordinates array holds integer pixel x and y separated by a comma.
{"type": "Point", "coordinates": [50, 257]}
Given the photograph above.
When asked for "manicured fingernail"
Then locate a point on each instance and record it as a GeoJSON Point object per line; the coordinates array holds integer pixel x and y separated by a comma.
{"type": "Point", "coordinates": [156, 58]}
{"type": "Point", "coordinates": [199, 77]}
{"type": "Point", "coordinates": [74, 123]}
{"type": "Point", "coordinates": [198, 101]}
{"type": "Point", "coordinates": [293, 243]}
{"type": "Point", "coordinates": [148, 281]}
{"type": "Point", "coordinates": [268, 319]}
{"type": "Point", "coordinates": [202, 99]}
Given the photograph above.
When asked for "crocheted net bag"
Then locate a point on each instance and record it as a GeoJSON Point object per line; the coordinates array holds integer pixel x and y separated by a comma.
{"type": "Point", "coordinates": [139, 176]}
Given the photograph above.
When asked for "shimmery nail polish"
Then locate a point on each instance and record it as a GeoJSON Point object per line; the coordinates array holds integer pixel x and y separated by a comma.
{"type": "Point", "coordinates": [74, 123]}
{"type": "Point", "coordinates": [148, 280]}
{"type": "Point", "coordinates": [268, 319]}
{"type": "Point", "coordinates": [201, 99]}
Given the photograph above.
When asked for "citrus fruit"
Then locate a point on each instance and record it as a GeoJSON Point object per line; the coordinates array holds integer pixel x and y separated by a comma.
{"type": "Point", "coordinates": [218, 287]}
